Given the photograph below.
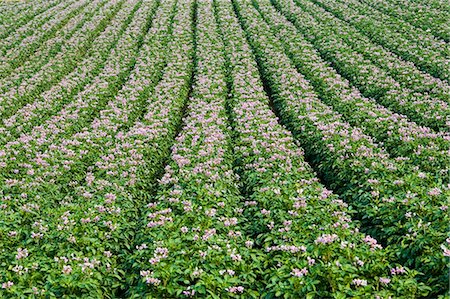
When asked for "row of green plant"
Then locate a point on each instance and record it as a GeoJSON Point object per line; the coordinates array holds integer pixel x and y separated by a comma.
{"type": "Point", "coordinates": [403, 209]}
{"type": "Point", "coordinates": [53, 137]}
{"type": "Point", "coordinates": [21, 50]}
{"type": "Point", "coordinates": [10, 40]}
{"type": "Point", "coordinates": [93, 219]}
{"type": "Point", "coordinates": [367, 77]}
{"type": "Point", "coordinates": [423, 50]}
{"type": "Point", "coordinates": [309, 245]}
{"type": "Point", "coordinates": [403, 139]}
{"type": "Point", "coordinates": [56, 58]}
{"type": "Point", "coordinates": [427, 18]}
{"type": "Point", "coordinates": [14, 16]}
{"type": "Point", "coordinates": [403, 71]}
{"type": "Point", "coordinates": [51, 101]}
{"type": "Point", "coordinates": [192, 242]}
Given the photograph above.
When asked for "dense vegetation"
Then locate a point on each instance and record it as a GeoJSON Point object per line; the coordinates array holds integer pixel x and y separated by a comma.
{"type": "Point", "coordinates": [224, 149]}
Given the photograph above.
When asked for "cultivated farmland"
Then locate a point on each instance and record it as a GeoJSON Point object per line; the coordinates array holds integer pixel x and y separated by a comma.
{"type": "Point", "coordinates": [224, 149]}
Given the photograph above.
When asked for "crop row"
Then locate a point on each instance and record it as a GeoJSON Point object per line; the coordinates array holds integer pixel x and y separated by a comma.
{"type": "Point", "coordinates": [77, 115]}
{"type": "Point", "coordinates": [400, 137]}
{"type": "Point", "coordinates": [402, 29]}
{"type": "Point", "coordinates": [193, 244]}
{"type": "Point", "coordinates": [404, 72]}
{"type": "Point", "coordinates": [425, 17]}
{"type": "Point", "coordinates": [26, 66]}
{"type": "Point", "coordinates": [52, 138]}
{"type": "Point", "coordinates": [405, 210]}
{"type": "Point", "coordinates": [21, 51]}
{"type": "Point", "coordinates": [23, 32]}
{"type": "Point", "coordinates": [43, 106]}
{"type": "Point", "coordinates": [52, 63]}
{"type": "Point", "coordinates": [98, 192]}
{"type": "Point", "coordinates": [196, 240]}
{"type": "Point", "coordinates": [437, 8]}
{"type": "Point", "coordinates": [429, 54]}
{"type": "Point", "coordinates": [435, 4]}
{"type": "Point", "coordinates": [370, 80]}
{"type": "Point", "coordinates": [304, 229]}
{"type": "Point", "coordinates": [173, 148]}
{"type": "Point", "coordinates": [51, 47]}
{"type": "Point", "coordinates": [14, 16]}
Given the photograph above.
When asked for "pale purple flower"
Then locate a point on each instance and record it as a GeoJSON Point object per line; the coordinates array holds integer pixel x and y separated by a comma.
{"type": "Point", "coordinates": [398, 270]}
{"type": "Point", "coordinates": [359, 282]}
{"type": "Point", "coordinates": [7, 285]}
{"type": "Point", "coordinates": [67, 269]}
{"type": "Point", "coordinates": [299, 272]}
{"type": "Point", "coordinates": [326, 239]}
{"type": "Point", "coordinates": [235, 290]}
{"type": "Point", "coordinates": [434, 192]}
{"type": "Point", "coordinates": [236, 257]}
{"type": "Point", "coordinates": [152, 280]}
{"type": "Point", "coordinates": [21, 253]}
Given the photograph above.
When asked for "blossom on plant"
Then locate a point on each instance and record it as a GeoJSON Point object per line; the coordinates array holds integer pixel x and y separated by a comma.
{"type": "Point", "coordinates": [372, 242]}
{"type": "Point", "coordinates": [326, 239]}
{"type": "Point", "coordinates": [398, 270]}
{"type": "Point", "coordinates": [235, 290]}
{"type": "Point", "coordinates": [67, 269]}
{"type": "Point", "coordinates": [310, 261]}
{"type": "Point", "coordinates": [188, 292]}
{"type": "Point", "coordinates": [152, 280]}
{"type": "Point", "coordinates": [359, 282]}
{"type": "Point", "coordinates": [21, 253]}
{"type": "Point", "coordinates": [7, 285]}
{"type": "Point", "coordinates": [299, 272]}
{"type": "Point", "coordinates": [445, 250]}
{"type": "Point", "coordinates": [434, 192]}
{"type": "Point", "coordinates": [236, 257]}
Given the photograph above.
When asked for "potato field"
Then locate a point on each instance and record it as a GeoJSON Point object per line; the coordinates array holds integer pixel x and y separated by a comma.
{"type": "Point", "coordinates": [224, 149]}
